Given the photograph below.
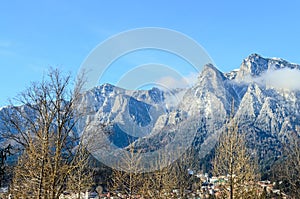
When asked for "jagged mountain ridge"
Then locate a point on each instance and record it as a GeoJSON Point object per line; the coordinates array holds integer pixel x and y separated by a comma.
{"type": "Point", "coordinates": [152, 118]}
{"type": "Point", "coordinates": [264, 113]}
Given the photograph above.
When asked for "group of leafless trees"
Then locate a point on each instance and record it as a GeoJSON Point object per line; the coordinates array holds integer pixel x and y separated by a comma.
{"type": "Point", "coordinates": [240, 166]}
{"type": "Point", "coordinates": [234, 161]}
{"type": "Point", "coordinates": [52, 158]}
{"type": "Point", "coordinates": [160, 183]}
{"type": "Point", "coordinates": [286, 169]}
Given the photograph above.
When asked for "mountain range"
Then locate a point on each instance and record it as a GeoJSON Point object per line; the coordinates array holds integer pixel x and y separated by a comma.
{"type": "Point", "coordinates": [262, 96]}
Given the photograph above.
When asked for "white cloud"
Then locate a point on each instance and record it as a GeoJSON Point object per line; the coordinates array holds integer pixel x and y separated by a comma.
{"type": "Point", "coordinates": [281, 79]}
{"type": "Point", "coordinates": [170, 82]}
{"type": "Point", "coordinates": [284, 79]}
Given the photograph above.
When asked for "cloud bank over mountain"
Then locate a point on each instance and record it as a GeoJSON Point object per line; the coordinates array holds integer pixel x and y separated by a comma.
{"type": "Point", "coordinates": [286, 79]}
{"type": "Point", "coordinates": [281, 79]}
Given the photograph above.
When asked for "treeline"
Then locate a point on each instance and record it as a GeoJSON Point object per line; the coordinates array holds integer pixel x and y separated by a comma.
{"type": "Point", "coordinates": [53, 158]}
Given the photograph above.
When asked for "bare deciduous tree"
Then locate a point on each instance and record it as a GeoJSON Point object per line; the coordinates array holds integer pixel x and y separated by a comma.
{"type": "Point", "coordinates": [159, 183]}
{"type": "Point", "coordinates": [287, 168]}
{"type": "Point", "coordinates": [81, 178]}
{"type": "Point", "coordinates": [182, 168]}
{"type": "Point", "coordinates": [43, 126]}
{"type": "Point", "coordinates": [233, 160]}
{"type": "Point", "coordinates": [127, 178]}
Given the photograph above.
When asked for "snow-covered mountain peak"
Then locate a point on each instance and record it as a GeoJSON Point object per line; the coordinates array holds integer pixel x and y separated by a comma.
{"type": "Point", "coordinates": [255, 66]}
{"type": "Point", "coordinates": [254, 57]}
{"type": "Point", "coordinates": [210, 67]}
{"type": "Point", "coordinates": [107, 88]}
{"type": "Point", "coordinates": [210, 72]}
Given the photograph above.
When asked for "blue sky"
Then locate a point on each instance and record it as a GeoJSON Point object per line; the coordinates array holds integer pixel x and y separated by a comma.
{"type": "Point", "coordinates": [37, 34]}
